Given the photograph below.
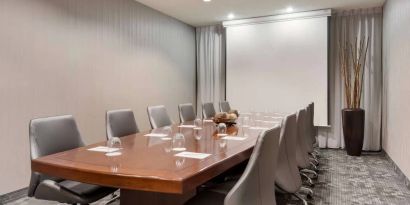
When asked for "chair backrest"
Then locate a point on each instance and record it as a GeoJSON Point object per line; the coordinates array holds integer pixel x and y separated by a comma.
{"type": "Point", "coordinates": [158, 116]}
{"type": "Point", "coordinates": [186, 112]}
{"type": "Point", "coordinates": [308, 130]}
{"type": "Point", "coordinates": [208, 110]}
{"type": "Point", "coordinates": [302, 157]}
{"type": "Point", "coordinates": [256, 185]}
{"type": "Point", "coordinates": [48, 136]}
{"type": "Point", "coordinates": [287, 174]}
{"type": "Point", "coordinates": [224, 106]}
{"type": "Point", "coordinates": [120, 123]}
{"type": "Point", "coordinates": [312, 121]}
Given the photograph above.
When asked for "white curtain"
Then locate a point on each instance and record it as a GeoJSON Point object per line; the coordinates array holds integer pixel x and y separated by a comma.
{"type": "Point", "coordinates": [349, 25]}
{"type": "Point", "coordinates": [210, 49]}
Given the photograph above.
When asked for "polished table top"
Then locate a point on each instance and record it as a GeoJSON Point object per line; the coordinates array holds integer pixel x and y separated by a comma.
{"type": "Point", "coordinates": [149, 164]}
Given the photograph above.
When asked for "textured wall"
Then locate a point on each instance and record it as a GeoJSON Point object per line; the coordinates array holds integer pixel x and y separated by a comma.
{"type": "Point", "coordinates": [84, 57]}
{"type": "Point", "coordinates": [396, 65]}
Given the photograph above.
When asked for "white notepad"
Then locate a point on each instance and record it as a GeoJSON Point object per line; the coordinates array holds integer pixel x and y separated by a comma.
{"type": "Point", "coordinates": [258, 128]}
{"type": "Point", "coordinates": [187, 126]}
{"type": "Point", "coordinates": [103, 149]}
{"type": "Point", "coordinates": [234, 138]}
{"type": "Point", "coordinates": [156, 135]}
{"type": "Point", "coordinates": [194, 155]}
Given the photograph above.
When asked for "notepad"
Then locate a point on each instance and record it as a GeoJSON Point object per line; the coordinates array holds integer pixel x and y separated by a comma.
{"type": "Point", "coordinates": [234, 138]}
{"type": "Point", "coordinates": [187, 126]}
{"type": "Point", "coordinates": [103, 149]}
{"type": "Point", "coordinates": [258, 128]}
{"type": "Point", "coordinates": [194, 155]}
{"type": "Point", "coordinates": [112, 154]}
{"type": "Point", "coordinates": [156, 135]}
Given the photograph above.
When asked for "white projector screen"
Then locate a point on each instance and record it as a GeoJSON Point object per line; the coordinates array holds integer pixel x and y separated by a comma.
{"type": "Point", "coordinates": [279, 66]}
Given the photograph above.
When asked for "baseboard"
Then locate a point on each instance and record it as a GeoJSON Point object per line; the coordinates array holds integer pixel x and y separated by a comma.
{"type": "Point", "coordinates": [13, 196]}
{"type": "Point", "coordinates": [398, 171]}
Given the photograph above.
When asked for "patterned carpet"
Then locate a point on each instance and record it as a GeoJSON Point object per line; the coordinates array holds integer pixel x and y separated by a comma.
{"type": "Point", "coordinates": [343, 180]}
{"type": "Point", "coordinates": [366, 180]}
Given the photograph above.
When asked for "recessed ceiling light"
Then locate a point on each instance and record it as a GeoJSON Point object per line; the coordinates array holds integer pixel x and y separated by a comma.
{"type": "Point", "coordinates": [289, 9]}
{"type": "Point", "coordinates": [231, 16]}
{"type": "Point", "coordinates": [207, 0]}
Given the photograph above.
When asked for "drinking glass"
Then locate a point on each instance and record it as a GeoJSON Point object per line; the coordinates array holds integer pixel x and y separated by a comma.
{"type": "Point", "coordinates": [222, 143]}
{"type": "Point", "coordinates": [114, 142]}
{"type": "Point", "coordinates": [168, 131]}
{"type": "Point", "coordinates": [197, 133]}
{"type": "Point", "coordinates": [222, 129]}
{"type": "Point", "coordinates": [178, 142]}
{"type": "Point", "coordinates": [198, 122]}
{"type": "Point", "coordinates": [245, 121]}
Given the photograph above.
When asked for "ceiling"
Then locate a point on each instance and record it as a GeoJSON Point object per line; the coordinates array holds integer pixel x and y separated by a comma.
{"type": "Point", "coordinates": [198, 12]}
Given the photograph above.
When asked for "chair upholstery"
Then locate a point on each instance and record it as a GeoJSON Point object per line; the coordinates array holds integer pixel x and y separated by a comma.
{"type": "Point", "coordinates": [186, 112]}
{"type": "Point", "coordinates": [302, 157]}
{"type": "Point", "coordinates": [287, 174]}
{"type": "Point", "coordinates": [256, 185]}
{"type": "Point", "coordinates": [120, 123]}
{"type": "Point", "coordinates": [224, 106]}
{"type": "Point", "coordinates": [208, 110]}
{"type": "Point", "coordinates": [52, 135]}
{"type": "Point", "coordinates": [308, 131]}
{"type": "Point", "coordinates": [311, 123]}
{"type": "Point", "coordinates": [158, 116]}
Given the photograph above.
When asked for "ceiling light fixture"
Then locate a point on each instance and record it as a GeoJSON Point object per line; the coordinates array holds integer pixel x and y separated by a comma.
{"type": "Point", "coordinates": [231, 16]}
{"type": "Point", "coordinates": [289, 9]}
{"type": "Point", "coordinates": [207, 0]}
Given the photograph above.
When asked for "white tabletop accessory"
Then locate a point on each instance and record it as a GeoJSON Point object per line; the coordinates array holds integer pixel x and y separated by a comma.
{"type": "Point", "coordinates": [234, 138]}
{"type": "Point", "coordinates": [194, 155]}
{"type": "Point", "coordinates": [103, 149]}
{"type": "Point", "coordinates": [156, 135]}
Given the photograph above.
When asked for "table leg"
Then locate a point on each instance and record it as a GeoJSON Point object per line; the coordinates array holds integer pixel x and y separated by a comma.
{"type": "Point", "coordinates": [134, 197]}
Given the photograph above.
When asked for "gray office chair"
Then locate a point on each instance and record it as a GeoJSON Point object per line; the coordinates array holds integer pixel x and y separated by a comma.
{"type": "Point", "coordinates": [302, 156]}
{"type": "Point", "coordinates": [288, 179]}
{"type": "Point", "coordinates": [208, 110]}
{"type": "Point", "coordinates": [313, 130]}
{"type": "Point", "coordinates": [312, 116]}
{"type": "Point", "coordinates": [308, 139]}
{"type": "Point", "coordinates": [120, 123]}
{"type": "Point", "coordinates": [224, 106]}
{"type": "Point", "coordinates": [308, 131]}
{"type": "Point", "coordinates": [52, 135]}
{"type": "Point", "coordinates": [256, 185]}
{"type": "Point", "coordinates": [158, 116]}
{"type": "Point", "coordinates": [186, 112]}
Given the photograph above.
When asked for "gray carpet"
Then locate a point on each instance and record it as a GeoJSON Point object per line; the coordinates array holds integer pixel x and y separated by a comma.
{"type": "Point", "coordinates": [343, 180]}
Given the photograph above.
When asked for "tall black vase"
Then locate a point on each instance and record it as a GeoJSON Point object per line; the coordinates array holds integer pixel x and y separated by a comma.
{"type": "Point", "coordinates": [353, 130]}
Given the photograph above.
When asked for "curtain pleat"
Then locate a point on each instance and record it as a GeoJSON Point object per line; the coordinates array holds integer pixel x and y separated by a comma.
{"type": "Point", "coordinates": [350, 25]}
{"type": "Point", "coordinates": [210, 65]}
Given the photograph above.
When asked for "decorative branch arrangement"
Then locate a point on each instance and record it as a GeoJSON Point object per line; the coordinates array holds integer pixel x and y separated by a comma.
{"type": "Point", "coordinates": [352, 59]}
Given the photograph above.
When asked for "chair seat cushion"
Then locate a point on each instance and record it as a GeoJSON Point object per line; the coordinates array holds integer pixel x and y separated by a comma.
{"type": "Point", "coordinates": [223, 188]}
{"type": "Point", "coordinates": [207, 198]}
{"type": "Point", "coordinates": [79, 188]}
{"type": "Point", "coordinates": [71, 192]}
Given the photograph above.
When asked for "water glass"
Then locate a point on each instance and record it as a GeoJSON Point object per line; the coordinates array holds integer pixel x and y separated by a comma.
{"type": "Point", "coordinates": [178, 142]}
{"type": "Point", "coordinates": [197, 133]}
{"type": "Point", "coordinates": [245, 121]}
{"type": "Point", "coordinates": [198, 122]}
{"type": "Point", "coordinates": [114, 142]}
{"type": "Point", "coordinates": [222, 143]}
{"type": "Point", "coordinates": [222, 129]}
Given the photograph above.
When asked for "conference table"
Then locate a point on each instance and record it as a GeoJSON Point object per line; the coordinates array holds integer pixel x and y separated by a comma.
{"type": "Point", "coordinates": [147, 171]}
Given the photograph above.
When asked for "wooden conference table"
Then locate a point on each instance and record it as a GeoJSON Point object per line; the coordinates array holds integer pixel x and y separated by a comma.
{"type": "Point", "coordinates": [147, 172]}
